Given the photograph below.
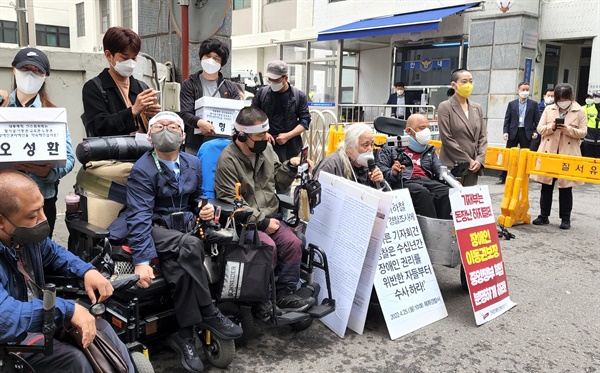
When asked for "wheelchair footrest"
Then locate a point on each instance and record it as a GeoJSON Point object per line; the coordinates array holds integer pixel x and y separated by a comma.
{"type": "Point", "coordinates": [320, 311]}
{"type": "Point", "coordinates": [292, 317]}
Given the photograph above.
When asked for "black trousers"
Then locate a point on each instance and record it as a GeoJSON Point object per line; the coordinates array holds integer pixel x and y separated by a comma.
{"type": "Point", "coordinates": [521, 141]}
{"type": "Point", "coordinates": [50, 209]}
{"type": "Point", "coordinates": [565, 201]}
{"type": "Point", "coordinates": [590, 149]}
{"type": "Point", "coordinates": [430, 197]}
{"type": "Point", "coordinates": [68, 358]}
{"type": "Point", "coordinates": [182, 263]}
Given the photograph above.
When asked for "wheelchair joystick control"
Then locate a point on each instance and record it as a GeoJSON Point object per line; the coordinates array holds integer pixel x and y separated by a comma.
{"type": "Point", "coordinates": [238, 203]}
{"type": "Point", "coordinates": [48, 304]}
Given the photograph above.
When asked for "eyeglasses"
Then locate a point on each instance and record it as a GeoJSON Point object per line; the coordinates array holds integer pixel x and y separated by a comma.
{"type": "Point", "coordinates": [171, 127]}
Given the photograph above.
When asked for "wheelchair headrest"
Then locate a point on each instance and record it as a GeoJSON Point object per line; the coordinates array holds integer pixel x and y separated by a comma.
{"type": "Point", "coordinates": [120, 148]}
{"type": "Point", "coordinates": [390, 126]}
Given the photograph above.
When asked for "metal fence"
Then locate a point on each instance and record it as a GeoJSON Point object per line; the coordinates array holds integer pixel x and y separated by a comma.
{"type": "Point", "coordinates": [317, 136]}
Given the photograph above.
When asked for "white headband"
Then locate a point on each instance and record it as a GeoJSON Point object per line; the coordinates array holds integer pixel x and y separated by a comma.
{"type": "Point", "coordinates": [257, 128]}
{"type": "Point", "coordinates": [166, 115]}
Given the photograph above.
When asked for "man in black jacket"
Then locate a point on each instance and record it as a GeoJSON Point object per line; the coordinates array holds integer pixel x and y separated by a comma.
{"type": "Point", "coordinates": [399, 97]}
{"type": "Point", "coordinates": [520, 122]}
{"type": "Point", "coordinates": [417, 168]}
{"type": "Point", "coordinates": [206, 82]}
{"type": "Point", "coordinates": [287, 110]}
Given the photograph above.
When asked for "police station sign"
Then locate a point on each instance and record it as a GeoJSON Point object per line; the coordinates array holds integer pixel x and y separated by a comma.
{"type": "Point", "coordinates": [33, 135]}
{"type": "Point", "coordinates": [480, 252]}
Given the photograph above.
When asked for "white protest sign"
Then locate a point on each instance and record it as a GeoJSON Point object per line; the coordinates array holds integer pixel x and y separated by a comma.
{"type": "Point", "coordinates": [480, 252]}
{"type": "Point", "coordinates": [408, 291]}
{"type": "Point", "coordinates": [220, 112]}
{"type": "Point", "coordinates": [35, 135]}
{"type": "Point", "coordinates": [341, 225]}
{"type": "Point", "coordinates": [360, 306]}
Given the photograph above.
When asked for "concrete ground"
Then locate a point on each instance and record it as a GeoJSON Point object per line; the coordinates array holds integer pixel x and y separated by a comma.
{"type": "Point", "coordinates": [553, 276]}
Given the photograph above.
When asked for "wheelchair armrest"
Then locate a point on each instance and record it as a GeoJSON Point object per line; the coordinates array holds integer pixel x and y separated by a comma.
{"type": "Point", "coordinates": [286, 202]}
{"type": "Point", "coordinates": [87, 229]}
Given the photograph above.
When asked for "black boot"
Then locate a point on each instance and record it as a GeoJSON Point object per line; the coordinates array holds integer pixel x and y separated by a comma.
{"type": "Point", "coordinates": [186, 349]}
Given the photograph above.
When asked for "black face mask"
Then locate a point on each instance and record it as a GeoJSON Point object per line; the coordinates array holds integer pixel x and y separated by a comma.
{"type": "Point", "coordinates": [259, 146]}
{"type": "Point", "coordinates": [26, 235]}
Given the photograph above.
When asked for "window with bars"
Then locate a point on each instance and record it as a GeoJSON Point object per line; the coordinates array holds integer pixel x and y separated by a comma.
{"type": "Point", "coordinates": [52, 36]}
{"type": "Point", "coordinates": [80, 19]}
{"type": "Point", "coordinates": [127, 13]}
{"type": "Point", "coordinates": [104, 15]}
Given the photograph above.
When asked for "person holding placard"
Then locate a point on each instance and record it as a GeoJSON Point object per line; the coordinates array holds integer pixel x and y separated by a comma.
{"type": "Point", "coordinates": [114, 102]}
{"type": "Point", "coordinates": [351, 159]}
{"type": "Point", "coordinates": [207, 82]}
{"type": "Point", "coordinates": [30, 68]}
{"type": "Point", "coordinates": [417, 168]}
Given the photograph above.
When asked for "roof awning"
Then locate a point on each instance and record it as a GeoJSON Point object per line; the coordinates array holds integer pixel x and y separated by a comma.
{"type": "Point", "coordinates": [397, 24]}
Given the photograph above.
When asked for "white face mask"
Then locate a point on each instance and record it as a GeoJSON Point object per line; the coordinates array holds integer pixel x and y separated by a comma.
{"type": "Point", "coordinates": [589, 101]}
{"type": "Point", "coordinates": [363, 158]}
{"type": "Point", "coordinates": [210, 66]}
{"type": "Point", "coordinates": [596, 100]}
{"type": "Point", "coordinates": [29, 82]}
{"type": "Point", "coordinates": [423, 136]}
{"type": "Point", "coordinates": [400, 92]}
{"type": "Point", "coordinates": [125, 68]}
{"type": "Point", "coordinates": [563, 104]}
{"type": "Point", "coordinates": [549, 100]}
{"type": "Point", "coordinates": [276, 87]}
{"type": "Point", "coordinates": [524, 94]}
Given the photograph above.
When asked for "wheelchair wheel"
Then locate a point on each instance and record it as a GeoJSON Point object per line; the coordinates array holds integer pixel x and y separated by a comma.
{"type": "Point", "coordinates": [463, 279]}
{"type": "Point", "coordinates": [219, 352]}
{"type": "Point", "coordinates": [141, 362]}
{"type": "Point", "coordinates": [241, 316]}
{"type": "Point", "coordinates": [302, 325]}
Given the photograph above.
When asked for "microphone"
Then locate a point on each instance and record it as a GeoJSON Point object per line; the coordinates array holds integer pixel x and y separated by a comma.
{"type": "Point", "coordinates": [372, 167]}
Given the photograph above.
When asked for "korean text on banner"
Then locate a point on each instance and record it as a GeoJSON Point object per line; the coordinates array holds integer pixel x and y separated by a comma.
{"type": "Point", "coordinates": [360, 306]}
{"type": "Point", "coordinates": [480, 252]}
{"type": "Point", "coordinates": [342, 226]}
{"type": "Point", "coordinates": [33, 135]}
{"type": "Point", "coordinates": [220, 112]}
{"type": "Point", "coordinates": [408, 291]}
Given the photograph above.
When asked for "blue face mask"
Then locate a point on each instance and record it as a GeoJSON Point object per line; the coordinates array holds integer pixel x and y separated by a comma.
{"type": "Point", "coordinates": [415, 146]}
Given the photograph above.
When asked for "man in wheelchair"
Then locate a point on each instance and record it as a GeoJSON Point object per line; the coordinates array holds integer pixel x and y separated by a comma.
{"type": "Point", "coordinates": [163, 201]}
{"type": "Point", "coordinates": [250, 160]}
{"type": "Point", "coordinates": [25, 252]}
{"type": "Point", "coordinates": [417, 168]}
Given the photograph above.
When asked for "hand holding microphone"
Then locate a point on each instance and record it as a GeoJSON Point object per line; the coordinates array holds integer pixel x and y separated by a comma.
{"type": "Point", "coordinates": [374, 173]}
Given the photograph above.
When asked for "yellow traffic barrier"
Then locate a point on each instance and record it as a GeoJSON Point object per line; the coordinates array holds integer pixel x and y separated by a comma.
{"type": "Point", "coordinates": [336, 135]}
{"type": "Point", "coordinates": [515, 202]}
{"type": "Point", "coordinates": [496, 158]}
{"type": "Point", "coordinates": [562, 166]}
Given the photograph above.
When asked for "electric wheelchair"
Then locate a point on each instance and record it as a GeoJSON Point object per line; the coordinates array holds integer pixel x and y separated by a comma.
{"type": "Point", "coordinates": [142, 316]}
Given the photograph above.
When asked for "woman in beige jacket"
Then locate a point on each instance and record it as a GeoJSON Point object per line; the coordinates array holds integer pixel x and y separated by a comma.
{"type": "Point", "coordinates": [560, 139]}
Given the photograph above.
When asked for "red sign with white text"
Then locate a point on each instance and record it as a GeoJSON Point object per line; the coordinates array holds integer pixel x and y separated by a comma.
{"type": "Point", "coordinates": [480, 252]}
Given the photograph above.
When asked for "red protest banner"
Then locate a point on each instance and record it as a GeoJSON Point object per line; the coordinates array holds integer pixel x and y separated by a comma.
{"type": "Point", "coordinates": [480, 252]}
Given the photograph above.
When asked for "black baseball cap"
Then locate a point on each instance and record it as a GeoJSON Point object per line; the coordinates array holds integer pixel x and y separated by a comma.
{"type": "Point", "coordinates": [32, 56]}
